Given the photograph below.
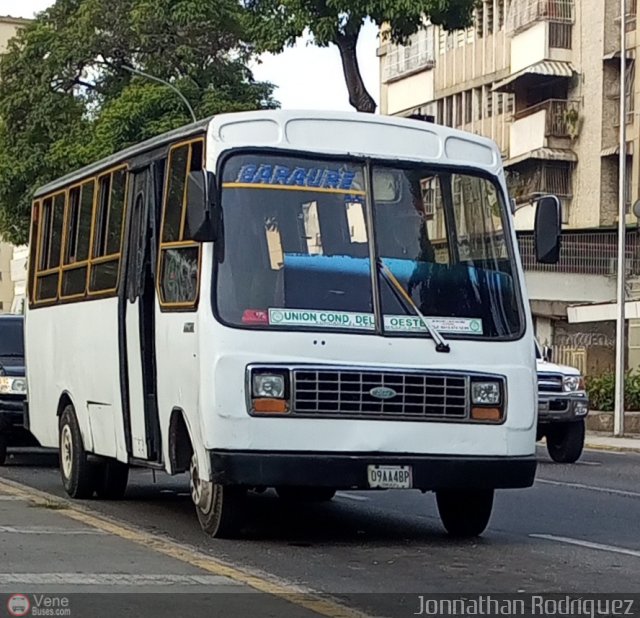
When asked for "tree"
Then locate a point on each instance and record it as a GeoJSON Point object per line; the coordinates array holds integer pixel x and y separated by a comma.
{"type": "Point", "coordinates": [66, 101]}
{"type": "Point", "coordinates": [277, 24]}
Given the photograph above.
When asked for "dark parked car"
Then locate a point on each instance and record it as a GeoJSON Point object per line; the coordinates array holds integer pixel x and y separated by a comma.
{"type": "Point", "coordinates": [13, 385]}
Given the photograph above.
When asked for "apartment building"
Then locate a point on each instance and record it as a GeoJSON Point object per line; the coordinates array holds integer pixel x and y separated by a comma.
{"type": "Point", "coordinates": [8, 28]}
{"type": "Point", "coordinates": [542, 79]}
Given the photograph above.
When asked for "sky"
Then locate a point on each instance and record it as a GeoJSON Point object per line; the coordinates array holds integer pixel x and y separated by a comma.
{"type": "Point", "coordinates": [306, 77]}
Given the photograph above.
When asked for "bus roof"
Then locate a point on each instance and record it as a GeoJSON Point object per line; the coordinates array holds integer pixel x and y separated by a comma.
{"type": "Point", "coordinates": [353, 133]}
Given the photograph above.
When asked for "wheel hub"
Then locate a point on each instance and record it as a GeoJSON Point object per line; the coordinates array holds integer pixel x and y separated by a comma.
{"type": "Point", "coordinates": [201, 490]}
{"type": "Point", "coordinates": [66, 451]}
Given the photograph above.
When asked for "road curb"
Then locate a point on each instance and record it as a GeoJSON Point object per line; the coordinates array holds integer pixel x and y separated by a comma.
{"type": "Point", "coordinates": [611, 448]}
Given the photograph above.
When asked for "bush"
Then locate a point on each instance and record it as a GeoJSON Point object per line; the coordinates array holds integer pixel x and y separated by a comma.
{"type": "Point", "coordinates": [601, 391]}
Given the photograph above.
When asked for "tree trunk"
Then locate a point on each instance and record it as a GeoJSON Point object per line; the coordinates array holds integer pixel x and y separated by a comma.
{"type": "Point", "coordinates": [359, 97]}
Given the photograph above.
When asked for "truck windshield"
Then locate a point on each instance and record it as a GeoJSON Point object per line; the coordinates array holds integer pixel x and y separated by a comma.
{"type": "Point", "coordinates": [297, 248]}
{"type": "Point", "coordinates": [11, 338]}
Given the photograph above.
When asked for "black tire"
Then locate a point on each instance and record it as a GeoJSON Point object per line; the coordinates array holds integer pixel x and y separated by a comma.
{"type": "Point", "coordinates": [306, 494]}
{"type": "Point", "coordinates": [112, 477]}
{"type": "Point", "coordinates": [78, 475]}
{"type": "Point", "coordinates": [220, 508]}
{"type": "Point", "coordinates": [465, 513]}
{"type": "Point", "coordinates": [565, 441]}
{"type": "Point", "coordinates": [3, 448]}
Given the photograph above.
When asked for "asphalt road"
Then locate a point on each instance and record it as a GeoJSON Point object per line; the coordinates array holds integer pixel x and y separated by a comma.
{"type": "Point", "coordinates": [576, 531]}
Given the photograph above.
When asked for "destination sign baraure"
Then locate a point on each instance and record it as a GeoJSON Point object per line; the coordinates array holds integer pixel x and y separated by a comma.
{"type": "Point", "coordinates": [314, 177]}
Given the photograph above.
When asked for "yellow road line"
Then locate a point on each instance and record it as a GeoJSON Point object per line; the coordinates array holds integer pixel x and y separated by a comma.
{"type": "Point", "coordinates": [260, 582]}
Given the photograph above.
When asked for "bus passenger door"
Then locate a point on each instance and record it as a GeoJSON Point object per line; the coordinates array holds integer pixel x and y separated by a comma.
{"type": "Point", "coordinates": [142, 427]}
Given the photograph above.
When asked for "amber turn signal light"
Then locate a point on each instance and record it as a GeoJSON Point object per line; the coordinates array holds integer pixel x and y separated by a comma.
{"type": "Point", "coordinates": [270, 406]}
{"type": "Point", "coordinates": [486, 414]}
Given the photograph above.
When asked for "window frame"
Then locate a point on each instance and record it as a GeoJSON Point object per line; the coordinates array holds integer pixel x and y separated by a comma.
{"type": "Point", "coordinates": [63, 267]}
{"type": "Point", "coordinates": [40, 272]}
{"type": "Point", "coordinates": [84, 263]}
{"type": "Point", "coordinates": [112, 256]}
{"type": "Point", "coordinates": [181, 243]}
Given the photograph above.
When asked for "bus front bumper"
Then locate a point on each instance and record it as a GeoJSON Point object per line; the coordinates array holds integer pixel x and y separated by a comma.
{"type": "Point", "coordinates": [351, 471]}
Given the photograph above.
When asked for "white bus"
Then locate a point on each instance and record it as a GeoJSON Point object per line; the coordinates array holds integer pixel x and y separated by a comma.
{"type": "Point", "coordinates": [300, 301]}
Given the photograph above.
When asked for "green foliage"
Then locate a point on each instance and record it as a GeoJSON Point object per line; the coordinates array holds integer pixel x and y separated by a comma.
{"type": "Point", "coordinates": [65, 100]}
{"type": "Point", "coordinates": [277, 23]}
{"type": "Point", "coordinates": [601, 391]}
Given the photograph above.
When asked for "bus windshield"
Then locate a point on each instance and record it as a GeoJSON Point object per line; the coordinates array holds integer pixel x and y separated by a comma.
{"type": "Point", "coordinates": [298, 248]}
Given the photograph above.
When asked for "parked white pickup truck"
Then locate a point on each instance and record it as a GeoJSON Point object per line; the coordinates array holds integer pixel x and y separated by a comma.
{"type": "Point", "coordinates": [563, 405]}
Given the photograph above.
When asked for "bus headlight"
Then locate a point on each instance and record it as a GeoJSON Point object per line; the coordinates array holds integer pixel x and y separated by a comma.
{"type": "Point", "coordinates": [269, 392]}
{"type": "Point", "coordinates": [268, 385]}
{"type": "Point", "coordinates": [13, 386]}
{"type": "Point", "coordinates": [485, 393]}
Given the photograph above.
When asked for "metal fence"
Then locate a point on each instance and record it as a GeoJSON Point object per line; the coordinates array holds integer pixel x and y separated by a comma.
{"type": "Point", "coordinates": [585, 253]}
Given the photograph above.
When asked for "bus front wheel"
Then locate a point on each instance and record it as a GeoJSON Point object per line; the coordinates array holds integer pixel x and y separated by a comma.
{"type": "Point", "coordinates": [465, 513]}
{"type": "Point", "coordinates": [77, 473]}
{"type": "Point", "coordinates": [219, 507]}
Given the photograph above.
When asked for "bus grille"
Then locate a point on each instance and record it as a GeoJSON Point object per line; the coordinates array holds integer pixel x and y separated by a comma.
{"type": "Point", "coordinates": [549, 383]}
{"type": "Point", "coordinates": [348, 393]}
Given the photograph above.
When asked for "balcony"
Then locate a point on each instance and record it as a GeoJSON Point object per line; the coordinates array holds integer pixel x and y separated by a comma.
{"type": "Point", "coordinates": [525, 13]}
{"type": "Point", "coordinates": [418, 54]}
{"type": "Point", "coordinates": [538, 126]}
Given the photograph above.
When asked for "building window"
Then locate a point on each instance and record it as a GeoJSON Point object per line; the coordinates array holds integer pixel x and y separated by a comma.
{"type": "Point", "coordinates": [511, 103]}
{"type": "Point", "coordinates": [458, 109]}
{"type": "Point", "coordinates": [449, 111]}
{"type": "Point", "coordinates": [468, 106]}
{"type": "Point", "coordinates": [440, 113]}
{"type": "Point", "coordinates": [501, 12]}
{"type": "Point", "coordinates": [477, 102]}
{"type": "Point", "coordinates": [489, 16]}
{"type": "Point", "coordinates": [416, 54]}
{"type": "Point", "coordinates": [479, 17]}
{"type": "Point", "coordinates": [488, 102]}
{"type": "Point", "coordinates": [500, 102]}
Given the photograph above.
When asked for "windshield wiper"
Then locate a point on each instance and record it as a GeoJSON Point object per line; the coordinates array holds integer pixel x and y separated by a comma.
{"type": "Point", "coordinates": [389, 277]}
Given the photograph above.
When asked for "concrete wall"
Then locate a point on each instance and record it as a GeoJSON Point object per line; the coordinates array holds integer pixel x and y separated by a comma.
{"type": "Point", "coordinates": [410, 92]}
{"type": "Point", "coordinates": [528, 133]}
{"type": "Point", "coordinates": [529, 47]}
{"type": "Point", "coordinates": [576, 289]}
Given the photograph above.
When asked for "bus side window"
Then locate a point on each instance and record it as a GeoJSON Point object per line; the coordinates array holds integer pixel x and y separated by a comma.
{"type": "Point", "coordinates": [179, 256]}
{"type": "Point", "coordinates": [48, 274]}
{"type": "Point", "coordinates": [34, 239]}
{"type": "Point", "coordinates": [107, 236]}
{"type": "Point", "coordinates": [77, 234]}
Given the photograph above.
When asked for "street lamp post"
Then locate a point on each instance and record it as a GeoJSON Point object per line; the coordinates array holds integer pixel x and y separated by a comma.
{"type": "Point", "coordinates": [618, 416]}
{"type": "Point", "coordinates": [126, 67]}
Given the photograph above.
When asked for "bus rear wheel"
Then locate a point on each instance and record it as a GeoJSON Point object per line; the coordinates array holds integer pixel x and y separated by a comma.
{"type": "Point", "coordinates": [78, 475]}
{"type": "Point", "coordinates": [219, 507]}
{"type": "Point", "coordinates": [465, 513]}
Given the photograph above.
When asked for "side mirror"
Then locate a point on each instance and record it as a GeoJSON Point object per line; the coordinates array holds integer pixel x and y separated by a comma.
{"type": "Point", "coordinates": [547, 353]}
{"type": "Point", "coordinates": [201, 217]}
{"type": "Point", "coordinates": [548, 229]}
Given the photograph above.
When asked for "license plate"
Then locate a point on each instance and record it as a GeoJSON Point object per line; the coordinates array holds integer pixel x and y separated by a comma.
{"type": "Point", "coordinates": [390, 477]}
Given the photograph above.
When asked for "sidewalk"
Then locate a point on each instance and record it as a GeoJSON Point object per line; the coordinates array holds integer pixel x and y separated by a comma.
{"type": "Point", "coordinates": [56, 557]}
{"type": "Point", "coordinates": [606, 442]}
